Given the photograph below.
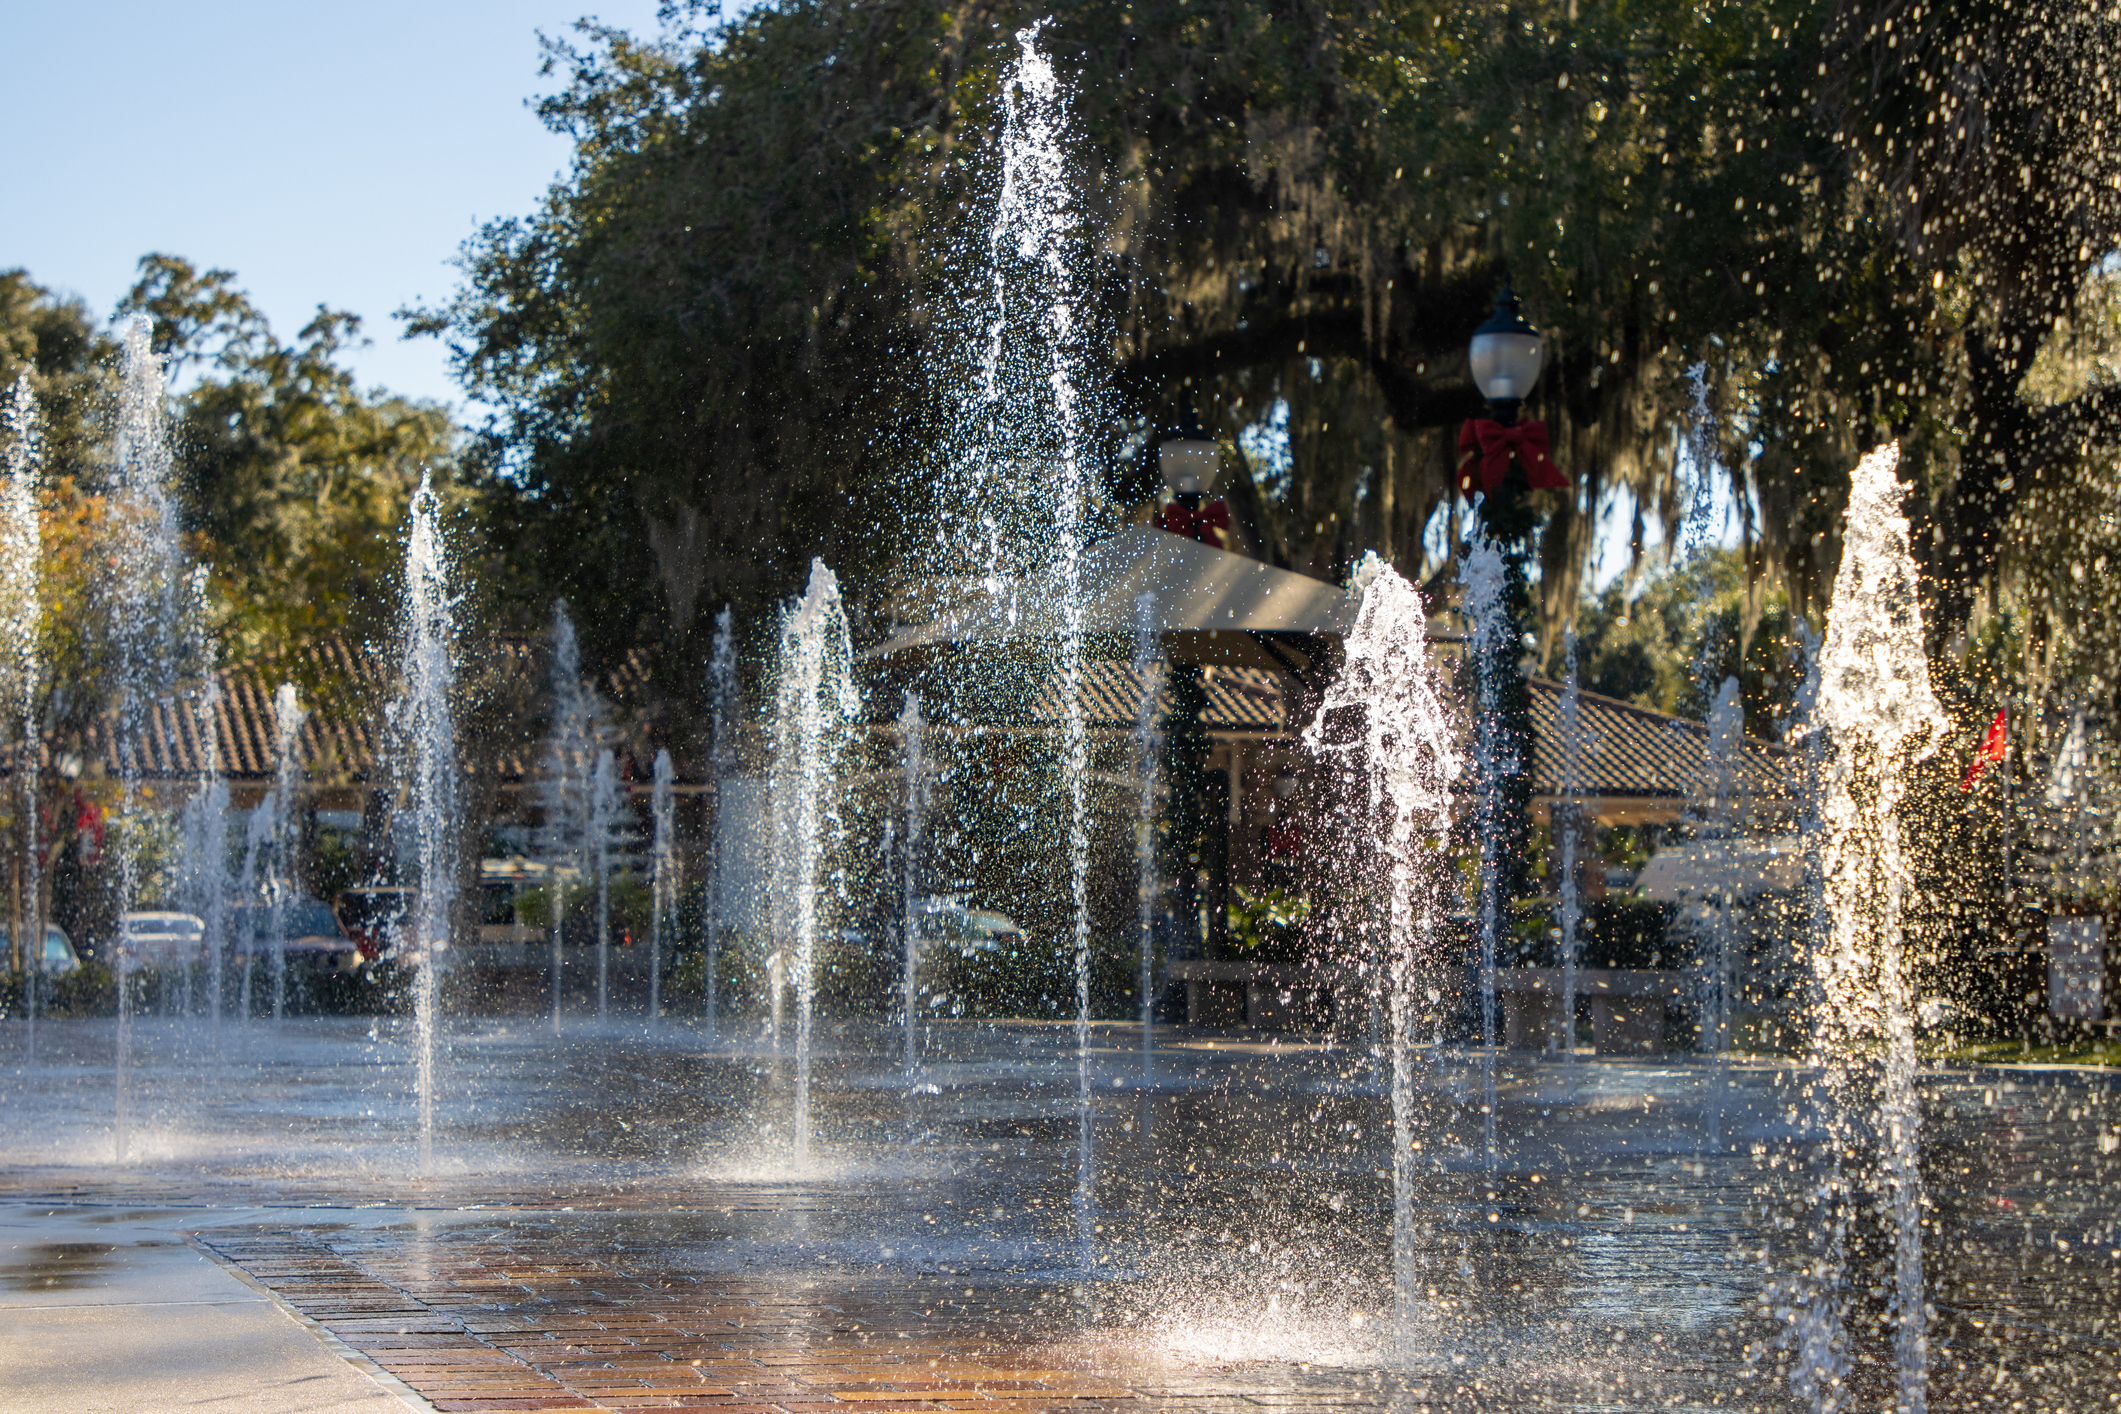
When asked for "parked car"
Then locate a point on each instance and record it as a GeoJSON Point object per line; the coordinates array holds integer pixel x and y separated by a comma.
{"type": "Point", "coordinates": [58, 957]}
{"type": "Point", "coordinates": [310, 936]}
{"type": "Point", "coordinates": [975, 963]}
{"type": "Point", "coordinates": [156, 939]}
{"type": "Point", "coordinates": [377, 919]}
{"type": "Point", "coordinates": [969, 930]}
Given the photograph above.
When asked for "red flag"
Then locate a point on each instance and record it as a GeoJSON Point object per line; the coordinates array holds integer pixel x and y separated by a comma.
{"type": "Point", "coordinates": [1994, 747]}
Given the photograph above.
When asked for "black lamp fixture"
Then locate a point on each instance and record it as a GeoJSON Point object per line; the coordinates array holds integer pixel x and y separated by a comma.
{"type": "Point", "coordinates": [1506, 355]}
{"type": "Point", "coordinates": [1188, 459]}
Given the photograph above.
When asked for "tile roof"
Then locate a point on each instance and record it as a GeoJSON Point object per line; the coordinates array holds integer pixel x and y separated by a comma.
{"type": "Point", "coordinates": [1634, 751]}
{"type": "Point", "coordinates": [1239, 699]}
{"type": "Point", "coordinates": [1631, 752]}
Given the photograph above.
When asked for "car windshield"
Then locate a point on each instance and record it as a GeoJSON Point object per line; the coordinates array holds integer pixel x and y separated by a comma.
{"type": "Point", "coordinates": [311, 918]}
{"type": "Point", "coordinates": [993, 923]}
{"type": "Point", "coordinates": [165, 925]}
{"type": "Point", "coordinates": [55, 948]}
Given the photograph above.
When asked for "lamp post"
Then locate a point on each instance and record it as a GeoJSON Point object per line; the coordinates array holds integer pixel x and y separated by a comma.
{"type": "Point", "coordinates": [1504, 461]}
{"type": "Point", "coordinates": [1501, 458]}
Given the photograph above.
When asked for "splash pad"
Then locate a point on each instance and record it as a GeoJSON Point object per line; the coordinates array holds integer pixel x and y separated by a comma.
{"type": "Point", "coordinates": [908, 1190]}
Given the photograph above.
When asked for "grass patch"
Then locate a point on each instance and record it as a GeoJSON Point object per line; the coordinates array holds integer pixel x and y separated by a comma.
{"type": "Point", "coordinates": [2079, 1050]}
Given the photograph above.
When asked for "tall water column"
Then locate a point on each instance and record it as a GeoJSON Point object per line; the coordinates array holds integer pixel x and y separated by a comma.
{"type": "Point", "coordinates": [288, 716]}
{"type": "Point", "coordinates": [913, 743]}
{"type": "Point", "coordinates": [721, 706]}
{"type": "Point", "coordinates": [1385, 715]}
{"type": "Point", "coordinates": [1486, 609]}
{"type": "Point", "coordinates": [21, 622]}
{"type": "Point", "coordinates": [1148, 741]}
{"type": "Point", "coordinates": [1038, 234]}
{"type": "Point", "coordinates": [661, 925]}
{"type": "Point", "coordinates": [603, 821]}
{"type": "Point", "coordinates": [1880, 717]}
{"type": "Point", "coordinates": [564, 791]}
{"type": "Point", "coordinates": [202, 833]}
{"type": "Point", "coordinates": [814, 699]}
{"type": "Point", "coordinates": [427, 728]}
{"type": "Point", "coordinates": [1569, 824]}
{"type": "Point", "coordinates": [157, 628]}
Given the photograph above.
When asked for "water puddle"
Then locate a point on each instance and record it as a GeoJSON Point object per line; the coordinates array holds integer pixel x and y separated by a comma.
{"type": "Point", "coordinates": [56, 1266]}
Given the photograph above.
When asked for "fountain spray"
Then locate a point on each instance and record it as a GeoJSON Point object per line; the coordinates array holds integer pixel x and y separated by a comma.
{"type": "Point", "coordinates": [21, 616]}
{"type": "Point", "coordinates": [1148, 659]}
{"type": "Point", "coordinates": [1485, 581]}
{"type": "Point", "coordinates": [287, 725]}
{"type": "Point", "coordinates": [203, 851]}
{"type": "Point", "coordinates": [566, 785]}
{"type": "Point", "coordinates": [1726, 739]}
{"type": "Point", "coordinates": [157, 619]}
{"type": "Point", "coordinates": [662, 923]}
{"type": "Point", "coordinates": [1569, 820]}
{"type": "Point", "coordinates": [603, 819]}
{"type": "Point", "coordinates": [258, 831]}
{"type": "Point", "coordinates": [813, 702]}
{"type": "Point", "coordinates": [913, 741]}
{"type": "Point", "coordinates": [1816, 1312]}
{"type": "Point", "coordinates": [1407, 757]}
{"type": "Point", "coordinates": [1036, 223]}
{"type": "Point", "coordinates": [721, 706]}
{"type": "Point", "coordinates": [1880, 717]}
{"type": "Point", "coordinates": [1701, 453]}
{"type": "Point", "coordinates": [424, 717]}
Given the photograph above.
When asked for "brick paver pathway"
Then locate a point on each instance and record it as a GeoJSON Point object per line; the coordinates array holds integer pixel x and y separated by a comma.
{"type": "Point", "coordinates": [485, 1321]}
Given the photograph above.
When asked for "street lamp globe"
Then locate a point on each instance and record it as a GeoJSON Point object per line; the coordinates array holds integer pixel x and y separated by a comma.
{"type": "Point", "coordinates": [1187, 458]}
{"type": "Point", "coordinates": [1506, 355]}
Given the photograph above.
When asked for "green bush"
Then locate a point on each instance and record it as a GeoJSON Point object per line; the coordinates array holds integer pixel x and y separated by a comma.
{"type": "Point", "coordinates": [88, 990]}
{"type": "Point", "coordinates": [853, 978]}
{"type": "Point", "coordinates": [632, 909]}
{"type": "Point", "coordinates": [1268, 925]}
{"type": "Point", "coordinates": [1031, 979]}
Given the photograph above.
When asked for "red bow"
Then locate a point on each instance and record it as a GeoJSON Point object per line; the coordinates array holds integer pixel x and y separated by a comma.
{"type": "Point", "coordinates": [1994, 747]}
{"type": "Point", "coordinates": [1495, 444]}
{"type": "Point", "coordinates": [1209, 524]}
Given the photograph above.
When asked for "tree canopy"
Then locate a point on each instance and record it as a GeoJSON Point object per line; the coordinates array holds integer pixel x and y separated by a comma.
{"type": "Point", "coordinates": [717, 344]}
{"type": "Point", "coordinates": [297, 480]}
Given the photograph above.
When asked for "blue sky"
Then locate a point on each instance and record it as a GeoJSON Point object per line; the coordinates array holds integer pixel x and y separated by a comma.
{"type": "Point", "coordinates": [328, 154]}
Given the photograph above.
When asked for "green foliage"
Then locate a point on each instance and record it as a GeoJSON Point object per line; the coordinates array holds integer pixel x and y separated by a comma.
{"type": "Point", "coordinates": [88, 990]}
{"type": "Point", "coordinates": [298, 480]}
{"type": "Point", "coordinates": [1267, 924]}
{"type": "Point", "coordinates": [741, 983]}
{"type": "Point", "coordinates": [1670, 644]}
{"type": "Point", "coordinates": [1034, 978]}
{"type": "Point", "coordinates": [725, 323]}
{"type": "Point", "coordinates": [68, 359]}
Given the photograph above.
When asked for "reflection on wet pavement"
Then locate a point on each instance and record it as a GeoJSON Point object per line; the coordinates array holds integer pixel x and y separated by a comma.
{"type": "Point", "coordinates": [614, 1222]}
{"type": "Point", "coordinates": [54, 1266]}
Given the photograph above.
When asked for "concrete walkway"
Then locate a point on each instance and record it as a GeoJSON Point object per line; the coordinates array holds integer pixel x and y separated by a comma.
{"type": "Point", "coordinates": [114, 1309]}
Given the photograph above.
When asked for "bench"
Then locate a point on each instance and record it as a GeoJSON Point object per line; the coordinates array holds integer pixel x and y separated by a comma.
{"type": "Point", "coordinates": [1266, 986]}
{"type": "Point", "coordinates": [1628, 1008]}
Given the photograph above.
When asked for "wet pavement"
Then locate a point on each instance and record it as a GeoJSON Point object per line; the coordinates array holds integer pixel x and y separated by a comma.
{"type": "Point", "coordinates": [613, 1219]}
